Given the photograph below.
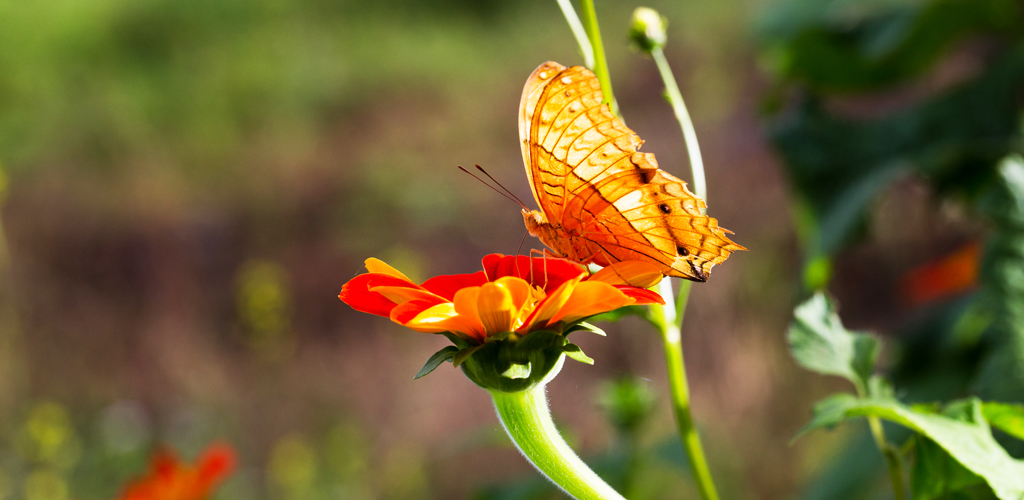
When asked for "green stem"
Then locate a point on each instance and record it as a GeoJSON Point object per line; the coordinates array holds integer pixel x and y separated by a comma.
{"type": "Point", "coordinates": [892, 457]}
{"type": "Point", "coordinates": [669, 320]}
{"type": "Point", "coordinates": [600, 62]}
{"type": "Point", "coordinates": [673, 312]}
{"type": "Point", "coordinates": [675, 98]}
{"type": "Point", "coordinates": [527, 420]}
{"type": "Point", "coordinates": [670, 316]}
{"type": "Point", "coordinates": [889, 452]}
{"type": "Point", "coordinates": [578, 31]}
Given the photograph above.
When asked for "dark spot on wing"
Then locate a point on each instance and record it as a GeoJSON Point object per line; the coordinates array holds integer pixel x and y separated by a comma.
{"type": "Point", "coordinates": [698, 272]}
{"type": "Point", "coordinates": [682, 250]}
{"type": "Point", "coordinates": [665, 209]}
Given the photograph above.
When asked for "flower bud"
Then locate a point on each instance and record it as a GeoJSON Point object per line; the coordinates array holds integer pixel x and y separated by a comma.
{"type": "Point", "coordinates": [647, 29]}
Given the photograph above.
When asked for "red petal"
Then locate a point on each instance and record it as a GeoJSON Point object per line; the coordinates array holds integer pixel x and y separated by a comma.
{"type": "Point", "coordinates": [548, 272]}
{"type": "Point", "coordinates": [446, 286]}
{"type": "Point", "coordinates": [217, 462]}
{"type": "Point", "coordinates": [357, 294]}
{"type": "Point", "coordinates": [642, 295]}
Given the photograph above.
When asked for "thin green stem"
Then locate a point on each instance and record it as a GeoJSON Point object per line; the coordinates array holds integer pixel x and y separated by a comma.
{"type": "Point", "coordinates": [675, 98]}
{"type": "Point", "coordinates": [889, 451]}
{"type": "Point", "coordinates": [527, 420]}
{"type": "Point", "coordinates": [600, 62]}
{"type": "Point", "coordinates": [669, 319]}
{"type": "Point", "coordinates": [892, 457]}
{"type": "Point", "coordinates": [578, 31]}
{"type": "Point", "coordinates": [675, 310]}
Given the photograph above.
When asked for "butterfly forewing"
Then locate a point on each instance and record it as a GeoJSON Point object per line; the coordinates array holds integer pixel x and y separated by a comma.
{"type": "Point", "coordinates": [598, 191]}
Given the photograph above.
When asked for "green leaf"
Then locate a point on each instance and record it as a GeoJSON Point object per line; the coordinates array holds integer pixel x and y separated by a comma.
{"type": "Point", "coordinates": [1008, 418]}
{"type": "Point", "coordinates": [436, 359]}
{"type": "Point", "coordinates": [935, 473]}
{"type": "Point", "coordinates": [585, 327]}
{"type": "Point", "coordinates": [573, 351]}
{"type": "Point", "coordinates": [970, 442]}
{"type": "Point", "coordinates": [819, 343]}
{"type": "Point", "coordinates": [464, 354]}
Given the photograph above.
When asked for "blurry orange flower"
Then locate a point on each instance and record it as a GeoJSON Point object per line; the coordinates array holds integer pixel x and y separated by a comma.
{"type": "Point", "coordinates": [512, 294]}
{"type": "Point", "coordinates": [172, 479]}
{"type": "Point", "coordinates": [947, 276]}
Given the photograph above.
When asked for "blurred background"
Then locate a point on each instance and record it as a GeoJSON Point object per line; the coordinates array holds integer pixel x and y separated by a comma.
{"type": "Point", "coordinates": [185, 185]}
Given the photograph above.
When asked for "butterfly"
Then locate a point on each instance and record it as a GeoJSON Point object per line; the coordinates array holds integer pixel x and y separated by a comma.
{"type": "Point", "coordinates": [601, 201]}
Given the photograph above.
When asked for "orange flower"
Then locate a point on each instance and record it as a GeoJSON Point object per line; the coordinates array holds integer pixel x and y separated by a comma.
{"type": "Point", "coordinates": [948, 276]}
{"type": "Point", "coordinates": [512, 294]}
{"type": "Point", "coordinates": [172, 479]}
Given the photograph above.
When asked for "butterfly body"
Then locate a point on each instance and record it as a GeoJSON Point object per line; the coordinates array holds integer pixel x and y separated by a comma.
{"type": "Point", "coordinates": [601, 200]}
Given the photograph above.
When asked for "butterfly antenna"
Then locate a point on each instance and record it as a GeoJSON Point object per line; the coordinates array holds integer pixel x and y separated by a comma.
{"type": "Point", "coordinates": [513, 199]}
{"type": "Point", "coordinates": [489, 176]}
{"type": "Point", "coordinates": [518, 251]}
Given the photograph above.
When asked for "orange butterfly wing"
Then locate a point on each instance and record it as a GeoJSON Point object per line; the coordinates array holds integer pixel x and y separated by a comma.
{"type": "Point", "coordinates": [601, 200]}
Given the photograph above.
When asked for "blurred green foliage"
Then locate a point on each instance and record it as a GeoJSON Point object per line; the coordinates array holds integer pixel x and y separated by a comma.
{"type": "Point", "coordinates": [958, 134]}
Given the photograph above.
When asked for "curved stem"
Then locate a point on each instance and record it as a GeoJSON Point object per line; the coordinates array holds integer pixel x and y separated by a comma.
{"type": "Point", "coordinates": [527, 420]}
{"type": "Point", "coordinates": [669, 320]}
{"type": "Point", "coordinates": [578, 31]}
{"type": "Point", "coordinates": [600, 62]}
{"type": "Point", "coordinates": [675, 98]}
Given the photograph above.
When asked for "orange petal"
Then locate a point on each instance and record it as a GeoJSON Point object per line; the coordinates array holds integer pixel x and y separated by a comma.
{"type": "Point", "coordinates": [378, 266]}
{"type": "Point", "coordinates": [631, 272]}
{"type": "Point", "coordinates": [553, 303]}
{"type": "Point", "coordinates": [443, 318]}
{"type": "Point", "coordinates": [590, 298]}
{"type": "Point", "coordinates": [496, 308]}
{"type": "Point", "coordinates": [466, 305]}
{"type": "Point", "coordinates": [518, 288]}
{"type": "Point", "coordinates": [403, 294]}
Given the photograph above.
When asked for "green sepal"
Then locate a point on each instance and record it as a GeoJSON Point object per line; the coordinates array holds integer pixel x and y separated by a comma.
{"type": "Point", "coordinates": [464, 354]}
{"type": "Point", "coordinates": [583, 326]}
{"type": "Point", "coordinates": [498, 336]}
{"type": "Point", "coordinates": [516, 365]}
{"type": "Point", "coordinates": [436, 359]}
{"type": "Point", "coordinates": [574, 352]}
{"type": "Point", "coordinates": [539, 339]}
{"type": "Point", "coordinates": [459, 342]}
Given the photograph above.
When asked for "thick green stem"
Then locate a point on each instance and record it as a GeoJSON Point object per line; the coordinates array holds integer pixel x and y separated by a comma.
{"type": "Point", "coordinates": [669, 322]}
{"type": "Point", "coordinates": [527, 421]}
{"type": "Point", "coordinates": [578, 31]}
{"type": "Point", "coordinates": [600, 62]}
{"type": "Point", "coordinates": [675, 98]}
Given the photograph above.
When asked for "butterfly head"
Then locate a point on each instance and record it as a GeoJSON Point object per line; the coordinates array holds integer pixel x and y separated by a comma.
{"type": "Point", "coordinates": [537, 225]}
{"type": "Point", "coordinates": [535, 222]}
